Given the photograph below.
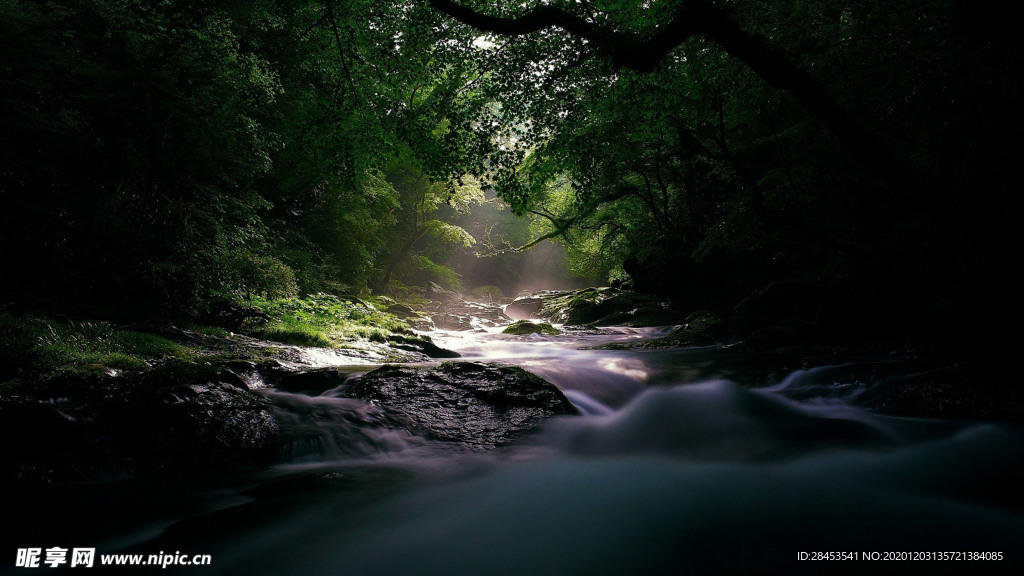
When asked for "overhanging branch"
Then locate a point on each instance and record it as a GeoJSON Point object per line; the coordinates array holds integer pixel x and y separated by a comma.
{"type": "Point", "coordinates": [695, 17]}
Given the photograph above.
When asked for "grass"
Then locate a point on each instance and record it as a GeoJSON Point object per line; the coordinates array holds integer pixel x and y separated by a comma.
{"type": "Point", "coordinates": [43, 347]}
{"type": "Point", "coordinates": [325, 320]}
{"type": "Point", "coordinates": [46, 347]}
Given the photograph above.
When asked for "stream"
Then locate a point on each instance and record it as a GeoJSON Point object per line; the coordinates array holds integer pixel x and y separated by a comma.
{"type": "Point", "coordinates": [701, 459]}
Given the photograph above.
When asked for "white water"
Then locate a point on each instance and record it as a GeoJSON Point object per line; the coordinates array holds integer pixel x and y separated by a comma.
{"type": "Point", "coordinates": [669, 470]}
{"type": "Point", "coordinates": [696, 461]}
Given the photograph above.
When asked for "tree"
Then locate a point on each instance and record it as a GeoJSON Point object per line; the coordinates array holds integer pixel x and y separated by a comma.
{"type": "Point", "coordinates": [629, 49]}
{"type": "Point", "coordinates": [420, 200]}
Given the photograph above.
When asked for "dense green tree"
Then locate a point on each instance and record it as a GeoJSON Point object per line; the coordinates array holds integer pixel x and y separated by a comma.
{"type": "Point", "coordinates": [198, 151]}
{"type": "Point", "coordinates": [714, 147]}
{"type": "Point", "coordinates": [162, 150]}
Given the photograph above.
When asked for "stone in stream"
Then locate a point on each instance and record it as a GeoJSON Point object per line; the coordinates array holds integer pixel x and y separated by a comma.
{"type": "Point", "coordinates": [185, 418]}
{"type": "Point", "coordinates": [476, 405]}
{"type": "Point", "coordinates": [702, 328]}
{"type": "Point", "coordinates": [525, 327]}
{"type": "Point", "coordinates": [449, 321]}
{"type": "Point", "coordinates": [597, 307]}
{"type": "Point", "coordinates": [527, 307]}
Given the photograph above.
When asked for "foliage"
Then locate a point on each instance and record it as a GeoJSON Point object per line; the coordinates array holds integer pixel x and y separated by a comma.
{"type": "Point", "coordinates": [704, 174]}
{"type": "Point", "coordinates": [186, 152]}
{"type": "Point", "coordinates": [324, 320]}
{"type": "Point", "coordinates": [488, 293]}
{"type": "Point", "coordinates": [44, 347]}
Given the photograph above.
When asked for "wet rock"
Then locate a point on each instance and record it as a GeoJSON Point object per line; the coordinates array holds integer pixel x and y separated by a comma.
{"type": "Point", "coordinates": [197, 416]}
{"type": "Point", "coordinates": [438, 294]}
{"type": "Point", "coordinates": [524, 327]}
{"type": "Point", "coordinates": [527, 307]}
{"type": "Point", "coordinates": [449, 321]}
{"type": "Point", "coordinates": [480, 314]}
{"type": "Point", "coordinates": [176, 419]}
{"type": "Point", "coordinates": [597, 307]}
{"type": "Point", "coordinates": [310, 382]}
{"type": "Point", "coordinates": [479, 406]}
{"type": "Point", "coordinates": [702, 328]}
{"type": "Point", "coordinates": [422, 345]}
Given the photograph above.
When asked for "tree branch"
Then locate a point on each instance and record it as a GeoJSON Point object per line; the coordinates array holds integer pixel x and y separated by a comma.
{"type": "Point", "coordinates": [695, 17]}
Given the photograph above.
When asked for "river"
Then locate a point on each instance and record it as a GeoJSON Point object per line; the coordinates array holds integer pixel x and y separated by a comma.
{"type": "Point", "coordinates": [702, 460]}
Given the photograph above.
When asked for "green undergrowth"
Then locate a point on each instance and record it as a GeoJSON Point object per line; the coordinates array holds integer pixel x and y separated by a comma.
{"type": "Point", "coordinates": [324, 320]}
{"type": "Point", "coordinates": [41, 347]}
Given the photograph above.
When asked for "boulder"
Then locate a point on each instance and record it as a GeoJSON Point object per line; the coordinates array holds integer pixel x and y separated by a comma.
{"type": "Point", "coordinates": [489, 294]}
{"type": "Point", "coordinates": [524, 327]}
{"type": "Point", "coordinates": [422, 345]}
{"type": "Point", "coordinates": [525, 308]}
{"type": "Point", "coordinates": [475, 405]}
{"type": "Point", "coordinates": [702, 328]}
{"type": "Point", "coordinates": [439, 294]}
{"type": "Point", "coordinates": [403, 311]}
{"type": "Point", "coordinates": [609, 307]}
{"type": "Point", "coordinates": [480, 313]}
{"type": "Point", "coordinates": [449, 321]}
{"type": "Point", "coordinates": [176, 419]}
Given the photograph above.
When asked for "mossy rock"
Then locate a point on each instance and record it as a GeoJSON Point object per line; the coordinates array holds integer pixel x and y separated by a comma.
{"type": "Point", "coordinates": [702, 328]}
{"type": "Point", "coordinates": [524, 327]}
{"type": "Point", "coordinates": [597, 307]}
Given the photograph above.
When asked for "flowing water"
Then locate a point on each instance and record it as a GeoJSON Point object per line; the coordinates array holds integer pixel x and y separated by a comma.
{"type": "Point", "coordinates": [700, 460]}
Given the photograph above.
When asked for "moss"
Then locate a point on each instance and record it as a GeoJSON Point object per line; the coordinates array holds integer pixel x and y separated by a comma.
{"type": "Point", "coordinates": [45, 347]}
{"type": "Point", "coordinates": [299, 334]}
{"type": "Point", "coordinates": [523, 327]}
{"type": "Point", "coordinates": [39, 347]}
{"type": "Point", "coordinates": [325, 320]}
{"type": "Point", "coordinates": [215, 331]}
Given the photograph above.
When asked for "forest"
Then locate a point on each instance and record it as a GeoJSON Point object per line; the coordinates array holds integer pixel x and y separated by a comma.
{"type": "Point", "coordinates": [212, 193]}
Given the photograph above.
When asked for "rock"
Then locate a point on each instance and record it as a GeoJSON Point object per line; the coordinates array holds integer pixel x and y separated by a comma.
{"type": "Point", "coordinates": [524, 327]}
{"type": "Point", "coordinates": [478, 406]}
{"type": "Point", "coordinates": [402, 311]}
{"type": "Point", "coordinates": [597, 307]}
{"type": "Point", "coordinates": [449, 321]}
{"type": "Point", "coordinates": [702, 328]}
{"type": "Point", "coordinates": [422, 345]}
{"type": "Point", "coordinates": [437, 293]}
{"type": "Point", "coordinates": [481, 314]}
{"type": "Point", "coordinates": [489, 294]}
{"type": "Point", "coordinates": [199, 416]}
{"type": "Point", "coordinates": [311, 382]}
{"type": "Point", "coordinates": [176, 419]}
{"type": "Point", "coordinates": [622, 283]}
{"type": "Point", "coordinates": [525, 308]}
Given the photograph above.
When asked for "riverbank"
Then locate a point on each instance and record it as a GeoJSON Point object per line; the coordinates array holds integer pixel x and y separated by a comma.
{"type": "Point", "coordinates": [94, 401]}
